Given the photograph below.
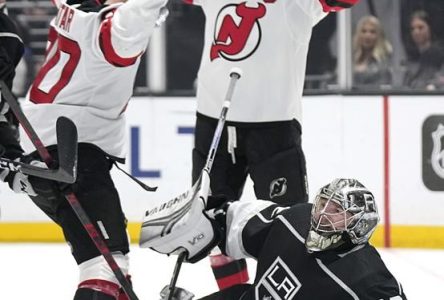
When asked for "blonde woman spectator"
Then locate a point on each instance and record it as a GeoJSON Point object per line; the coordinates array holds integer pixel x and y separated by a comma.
{"type": "Point", "coordinates": [427, 59]}
{"type": "Point", "coordinates": [371, 54]}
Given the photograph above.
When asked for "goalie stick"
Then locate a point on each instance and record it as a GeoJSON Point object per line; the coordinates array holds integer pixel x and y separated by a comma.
{"type": "Point", "coordinates": [93, 233]}
{"type": "Point", "coordinates": [67, 156]}
{"type": "Point", "coordinates": [235, 74]}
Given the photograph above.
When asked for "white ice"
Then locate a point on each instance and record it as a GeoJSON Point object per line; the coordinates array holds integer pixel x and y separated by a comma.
{"type": "Point", "coordinates": [48, 272]}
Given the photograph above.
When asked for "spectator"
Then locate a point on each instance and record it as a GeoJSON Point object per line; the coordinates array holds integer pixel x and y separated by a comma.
{"type": "Point", "coordinates": [438, 81]}
{"type": "Point", "coordinates": [371, 54]}
{"type": "Point", "coordinates": [427, 57]}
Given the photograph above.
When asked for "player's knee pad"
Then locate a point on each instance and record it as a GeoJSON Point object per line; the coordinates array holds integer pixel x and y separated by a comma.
{"type": "Point", "coordinates": [282, 178]}
{"type": "Point", "coordinates": [98, 269]}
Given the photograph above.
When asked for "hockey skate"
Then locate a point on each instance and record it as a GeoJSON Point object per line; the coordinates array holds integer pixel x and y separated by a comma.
{"type": "Point", "coordinates": [178, 294]}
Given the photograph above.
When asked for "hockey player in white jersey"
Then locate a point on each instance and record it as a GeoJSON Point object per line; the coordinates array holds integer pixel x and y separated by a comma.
{"type": "Point", "coordinates": [93, 54]}
{"type": "Point", "coordinates": [268, 40]}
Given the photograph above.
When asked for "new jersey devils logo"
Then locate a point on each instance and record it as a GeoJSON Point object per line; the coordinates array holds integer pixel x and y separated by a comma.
{"type": "Point", "coordinates": [237, 31]}
{"type": "Point", "coordinates": [437, 158]}
{"type": "Point", "coordinates": [278, 187]}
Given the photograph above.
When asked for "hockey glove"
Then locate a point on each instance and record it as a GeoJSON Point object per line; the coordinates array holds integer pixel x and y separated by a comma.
{"type": "Point", "coordinates": [19, 182]}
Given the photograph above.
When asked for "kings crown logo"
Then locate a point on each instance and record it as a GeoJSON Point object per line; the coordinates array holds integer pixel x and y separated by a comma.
{"type": "Point", "coordinates": [437, 157]}
{"type": "Point", "coordinates": [433, 153]}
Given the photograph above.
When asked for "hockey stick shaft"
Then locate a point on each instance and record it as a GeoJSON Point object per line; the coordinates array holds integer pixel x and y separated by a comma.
{"type": "Point", "coordinates": [235, 74]}
{"type": "Point", "coordinates": [70, 196]}
{"type": "Point", "coordinates": [177, 267]}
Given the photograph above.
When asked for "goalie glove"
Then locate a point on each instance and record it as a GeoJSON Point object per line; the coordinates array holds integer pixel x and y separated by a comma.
{"type": "Point", "coordinates": [181, 224]}
{"type": "Point", "coordinates": [337, 5]}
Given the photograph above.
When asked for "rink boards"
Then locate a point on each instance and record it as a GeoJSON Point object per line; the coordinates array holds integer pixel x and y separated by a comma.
{"type": "Point", "coordinates": [394, 145]}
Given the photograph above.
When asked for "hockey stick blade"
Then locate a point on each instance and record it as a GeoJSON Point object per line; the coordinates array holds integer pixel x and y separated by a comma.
{"type": "Point", "coordinates": [67, 149]}
{"type": "Point", "coordinates": [67, 145]}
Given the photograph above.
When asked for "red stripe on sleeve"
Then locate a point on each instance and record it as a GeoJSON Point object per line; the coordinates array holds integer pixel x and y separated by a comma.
{"type": "Point", "coordinates": [336, 5]}
{"type": "Point", "coordinates": [188, 1]}
{"type": "Point", "coordinates": [108, 50]}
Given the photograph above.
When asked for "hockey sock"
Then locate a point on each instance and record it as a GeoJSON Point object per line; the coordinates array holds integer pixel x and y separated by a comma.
{"type": "Point", "coordinates": [228, 272]}
{"type": "Point", "coordinates": [97, 289]}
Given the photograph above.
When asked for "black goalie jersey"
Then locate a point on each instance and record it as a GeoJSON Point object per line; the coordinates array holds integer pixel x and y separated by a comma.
{"type": "Point", "coordinates": [275, 236]}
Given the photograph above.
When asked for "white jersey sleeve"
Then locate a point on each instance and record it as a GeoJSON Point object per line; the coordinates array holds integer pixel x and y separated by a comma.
{"type": "Point", "coordinates": [132, 24]}
{"type": "Point", "coordinates": [238, 215]}
{"type": "Point", "coordinates": [313, 9]}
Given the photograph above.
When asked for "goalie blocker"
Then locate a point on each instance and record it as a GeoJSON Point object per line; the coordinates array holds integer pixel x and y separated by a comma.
{"type": "Point", "coordinates": [182, 221]}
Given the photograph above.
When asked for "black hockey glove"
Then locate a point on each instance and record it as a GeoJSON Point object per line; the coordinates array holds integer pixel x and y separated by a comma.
{"type": "Point", "coordinates": [217, 208]}
{"type": "Point", "coordinates": [9, 141]}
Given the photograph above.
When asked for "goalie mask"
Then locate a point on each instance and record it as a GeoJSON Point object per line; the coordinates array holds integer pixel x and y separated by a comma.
{"type": "Point", "coordinates": [343, 209]}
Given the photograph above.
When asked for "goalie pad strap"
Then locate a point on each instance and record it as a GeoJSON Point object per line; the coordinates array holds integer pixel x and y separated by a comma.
{"type": "Point", "coordinates": [103, 286]}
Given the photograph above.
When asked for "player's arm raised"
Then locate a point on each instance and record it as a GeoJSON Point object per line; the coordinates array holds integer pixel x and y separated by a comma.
{"type": "Point", "coordinates": [125, 31]}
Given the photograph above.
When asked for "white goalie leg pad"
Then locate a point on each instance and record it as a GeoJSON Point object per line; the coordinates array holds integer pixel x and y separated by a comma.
{"type": "Point", "coordinates": [98, 268]}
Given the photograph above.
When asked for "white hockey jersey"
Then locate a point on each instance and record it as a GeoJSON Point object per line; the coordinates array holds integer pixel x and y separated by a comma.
{"type": "Point", "coordinates": [89, 72]}
{"type": "Point", "coordinates": [268, 40]}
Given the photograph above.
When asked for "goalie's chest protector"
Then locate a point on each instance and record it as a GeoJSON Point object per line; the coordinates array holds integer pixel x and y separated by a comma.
{"type": "Point", "coordinates": [269, 41]}
{"type": "Point", "coordinates": [83, 80]}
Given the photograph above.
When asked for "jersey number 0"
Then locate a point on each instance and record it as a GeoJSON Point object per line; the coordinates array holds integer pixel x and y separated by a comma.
{"type": "Point", "coordinates": [67, 46]}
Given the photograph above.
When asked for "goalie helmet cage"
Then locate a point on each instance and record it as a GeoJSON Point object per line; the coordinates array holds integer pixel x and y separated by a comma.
{"type": "Point", "coordinates": [69, 195]}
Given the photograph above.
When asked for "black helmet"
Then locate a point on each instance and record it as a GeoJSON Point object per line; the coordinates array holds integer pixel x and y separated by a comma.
{"type": "Point", "coordinates": [343, 208]}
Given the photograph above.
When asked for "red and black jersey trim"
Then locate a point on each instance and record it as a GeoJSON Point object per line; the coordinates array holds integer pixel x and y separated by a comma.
{"type": "Point", "coordinates": [107, 48]}
{"type": "Point", "coordinates": [335, 5]}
